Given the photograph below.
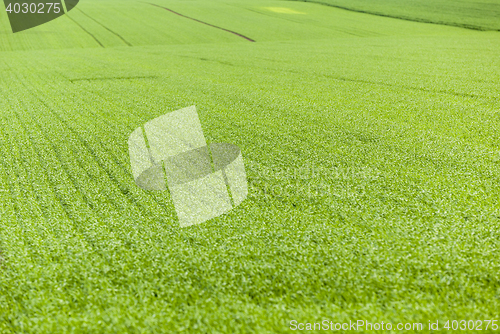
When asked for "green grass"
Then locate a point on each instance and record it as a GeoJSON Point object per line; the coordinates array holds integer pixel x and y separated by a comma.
{"type": "Point", "coordinates": [474, 14]}
{"type": "Point", "coordinates": [372, 152]}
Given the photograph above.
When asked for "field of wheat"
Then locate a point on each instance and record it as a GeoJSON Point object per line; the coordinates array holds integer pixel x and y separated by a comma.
{"type": "Point", "coordinates": [371, 146]}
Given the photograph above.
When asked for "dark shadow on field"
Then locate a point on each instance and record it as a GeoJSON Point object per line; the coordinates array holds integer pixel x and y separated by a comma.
{"type": "Point", "coordinates": [32, 13]}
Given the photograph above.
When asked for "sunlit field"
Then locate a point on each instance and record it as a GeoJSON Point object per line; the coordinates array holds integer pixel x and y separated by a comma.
{"type": "Point", "coordinates": [371, 145]}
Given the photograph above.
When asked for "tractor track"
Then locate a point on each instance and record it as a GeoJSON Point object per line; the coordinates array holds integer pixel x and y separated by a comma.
{"type": "Point", "coordinates": [206, 23]}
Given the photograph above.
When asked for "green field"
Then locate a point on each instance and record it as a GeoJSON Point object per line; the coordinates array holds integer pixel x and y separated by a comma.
{"type": "Point", "coordinates": [473, 14]}
{"type": "Point", "coordinates": [371, 146]}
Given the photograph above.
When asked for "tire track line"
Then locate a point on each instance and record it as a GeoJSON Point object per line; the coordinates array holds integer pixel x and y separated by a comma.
{"type": "Point", "coordinates": [426, 90]}
{"type": "Point", "coordinates": [375, 83]}
{"type": "Point", "coordinates": [74, 219]}
{"type": "Point", "coordinates": [36, 183]}
{"type": "Point", "coordinates": [50, 177]}
{"type": "Point", "coordinates": [139, 214]}
{"type": "Point", "coordinates": [64, 205]}
{"type": "Point", "coordinates": [31, 198]}
{"type": "Point", "coordinates": [206, 23]}
{"type": "Point", "coordinates": [14, 198]}
{"type": "Point", "coordinates": [20, 173]}
{"type": "Point", "coordinates": [145, 211]}
{"type": "Point", "coordinates": [79, 162]}
{"type": "Point", "coordinates": [56, 154]}
{"type": "Point", "coordinates": [88, 32]}
{"type": "Point", "coordinates": [119, 185]}
{"type": "Point", "coordinates": [120, 164]}
{"type": "Point", "coordinates": [102, 25]}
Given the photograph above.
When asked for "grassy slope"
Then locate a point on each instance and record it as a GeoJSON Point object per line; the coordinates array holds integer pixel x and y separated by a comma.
{"type": "Point", "coordinates": [397, 221]}
{"type": "Point", "coordinates": [150, 25]}
{"type": "Point", "coordinates": [475, 14]}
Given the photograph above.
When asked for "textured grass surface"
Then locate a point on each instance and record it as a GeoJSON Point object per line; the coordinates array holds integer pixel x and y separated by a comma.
{"type": "Point", "coordinates": [475, 14]}
{"type": "Point", "coordinates": [372, 152]}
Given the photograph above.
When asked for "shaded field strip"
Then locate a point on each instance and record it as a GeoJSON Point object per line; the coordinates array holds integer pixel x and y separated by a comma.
{"type": "Point", "coordinates": [208, 24]}
{"type": "Point", "coordinates": [102, 25]}
{"type": "Point", "coordinates": [458, 25]}
{"type": "Point", "coordinates": [113, 78]}
{"type": "Point", "coordinates": [88, 32]}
